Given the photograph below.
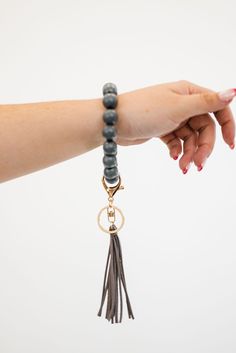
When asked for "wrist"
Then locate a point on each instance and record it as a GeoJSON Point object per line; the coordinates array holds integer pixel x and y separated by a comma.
{"type": "Point", "coordinates": [97, 124]}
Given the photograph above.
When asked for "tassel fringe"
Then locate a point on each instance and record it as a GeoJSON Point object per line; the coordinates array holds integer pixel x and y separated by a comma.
{"type": "Point", "coordinates": [114, 280]}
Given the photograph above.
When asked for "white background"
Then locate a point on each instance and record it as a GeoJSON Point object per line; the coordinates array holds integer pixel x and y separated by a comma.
{"type": "Point", "coordinates": [178, 241]}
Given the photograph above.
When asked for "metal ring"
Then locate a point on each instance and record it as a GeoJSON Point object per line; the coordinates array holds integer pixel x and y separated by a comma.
{"type": "Point", "coordinates": [115, 230]}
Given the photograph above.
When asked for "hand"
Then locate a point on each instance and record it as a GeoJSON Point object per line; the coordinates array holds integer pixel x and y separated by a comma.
{"type": "Point", "coordinates": [173, 112]}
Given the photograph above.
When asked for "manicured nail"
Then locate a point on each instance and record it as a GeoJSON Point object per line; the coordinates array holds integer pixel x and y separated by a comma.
{"type": "Point", "coordinates": [186, 168]}
{"type": "Point", "coordinates": [232, 146]}
{"type": "Point", "coordinates": [227, 95]}
{"type": "Point", "coordinates": [175, 157]}
{"type": "Point", "coordinates": [199, 167]}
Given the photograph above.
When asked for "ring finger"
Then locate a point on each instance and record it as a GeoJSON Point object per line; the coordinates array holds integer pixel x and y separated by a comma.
{"type": "Point", "coordinates": [189, 137]}
{"type": "Point", "coordinates": [206, 128]}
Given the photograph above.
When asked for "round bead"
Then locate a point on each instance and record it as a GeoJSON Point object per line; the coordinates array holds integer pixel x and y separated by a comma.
{"type": "Point", "coordinates": [111, 173]}
{"type": "Point", "coordinates": [109, 161]}
{"type": "Point", "coordinates": [109, 88]}
{"type": "Point", "coordinates": [110, 100]}
{"type": "Point", "coordinates": [110, 148]}
{"type": "Point", "coordinates": [110, 117]}
{"type": "Point", "coordinates": [113, 180]}
{"type": "Point", "coordinates": [109, 132]}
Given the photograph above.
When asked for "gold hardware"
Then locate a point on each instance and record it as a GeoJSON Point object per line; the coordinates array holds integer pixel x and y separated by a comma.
{"type": "Point", "coordinates": [111, 190]}
{"type": "Point", "coordinates": [111, 214]}
{"type": "Point", "coordinates": [111, 231]}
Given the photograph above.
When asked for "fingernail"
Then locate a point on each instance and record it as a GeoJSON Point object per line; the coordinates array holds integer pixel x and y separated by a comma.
{"type": "Point", "coordinates": [227, 95]}
{"type": "Point", "coordinates": [175, 157]}
{"type": "Point", "coordinates": [232, 146]}
{"type": "Point", "coordinates": [186, 168]}
{"type": "Point", "coordinates": [200, 166]}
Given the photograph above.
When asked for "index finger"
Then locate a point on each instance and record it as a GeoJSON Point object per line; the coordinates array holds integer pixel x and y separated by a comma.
{"type": "Point", "coordinates": [226, 121]}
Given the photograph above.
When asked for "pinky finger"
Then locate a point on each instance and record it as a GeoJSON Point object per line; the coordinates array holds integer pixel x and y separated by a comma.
{"type": "Point", "coordinates": [173, 143]}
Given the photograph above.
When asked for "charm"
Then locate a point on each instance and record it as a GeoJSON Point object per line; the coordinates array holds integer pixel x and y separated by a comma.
{"type": "Point", "coordinates": [114, 277]}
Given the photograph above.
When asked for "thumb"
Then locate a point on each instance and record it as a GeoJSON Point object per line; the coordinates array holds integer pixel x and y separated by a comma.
{"type": "Point", "coordinates": [201, 103]}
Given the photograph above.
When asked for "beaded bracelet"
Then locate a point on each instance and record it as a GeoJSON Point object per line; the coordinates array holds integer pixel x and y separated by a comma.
{"type": "Point", "coordinates": [114, 277]}
{"type": "Point", "coordinates": [109, 132]}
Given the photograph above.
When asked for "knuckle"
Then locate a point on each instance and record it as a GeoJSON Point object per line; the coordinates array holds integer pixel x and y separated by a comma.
{"type": "Point", "coordinates": [208, 98]}
{"type": "Point", "coordinates": [184, 82]}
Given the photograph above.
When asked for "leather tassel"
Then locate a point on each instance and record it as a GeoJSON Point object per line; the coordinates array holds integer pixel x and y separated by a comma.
{"type": "Point", "coordinates": [114, 282]}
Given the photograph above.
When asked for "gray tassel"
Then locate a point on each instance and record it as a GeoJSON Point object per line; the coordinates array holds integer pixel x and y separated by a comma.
{"type": "Point", "coordinates": [114, 280]}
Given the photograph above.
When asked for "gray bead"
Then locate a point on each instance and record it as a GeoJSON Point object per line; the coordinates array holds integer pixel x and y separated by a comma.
{"type": "Point", "coordinates": [110, 116]}
{"type": "Point", "coordinates": [112, 181]}
{"type": "Point", "coordinates": [109, 132]}
{"type": "Point", "coordinates": [110, 148]}
{"type": "Point", "coordinates": [111, 173]}
{"type": "Point", "coordinates": [110, 101]}
{"type": "Point", "coordinates": [109, 161]}
{"type": "Point", "coordinates": [109, 88]}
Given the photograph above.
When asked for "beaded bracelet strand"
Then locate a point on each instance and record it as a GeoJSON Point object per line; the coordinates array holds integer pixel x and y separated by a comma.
{"type": "Point", "coordinates": [114, 277]}
{"type": "Point", "coordinates": [109, 132]}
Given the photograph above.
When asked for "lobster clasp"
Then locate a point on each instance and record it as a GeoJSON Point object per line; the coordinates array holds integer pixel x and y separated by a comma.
{"type": "Point", "coordinates": [111, 190]}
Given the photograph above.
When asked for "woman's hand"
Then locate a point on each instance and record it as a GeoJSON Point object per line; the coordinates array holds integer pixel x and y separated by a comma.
{"type": "Point", "coordinates": [173, 112]}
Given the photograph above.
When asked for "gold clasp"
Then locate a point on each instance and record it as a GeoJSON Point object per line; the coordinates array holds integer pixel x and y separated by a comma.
{"type": "Point", "coordinates": [111, 190]}
{"type": "Point", "coordinates": [111, 214]}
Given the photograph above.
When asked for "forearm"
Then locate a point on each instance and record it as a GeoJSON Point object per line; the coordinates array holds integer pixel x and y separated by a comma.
{"type": "Point", "coordinates": [34, 136]}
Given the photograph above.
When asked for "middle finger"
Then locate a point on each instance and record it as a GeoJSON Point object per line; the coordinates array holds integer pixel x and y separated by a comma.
{"type": "Point", "coordinates": [205, 125]}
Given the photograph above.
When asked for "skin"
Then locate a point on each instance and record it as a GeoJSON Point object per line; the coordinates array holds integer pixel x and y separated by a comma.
{"type": "Point", "coordinates": [174, 112]}
{"type": "Point", "coordinates": [34, 136]}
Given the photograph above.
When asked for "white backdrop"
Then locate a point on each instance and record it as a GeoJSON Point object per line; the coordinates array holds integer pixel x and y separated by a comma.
{"type": "Point", "coordinates": [178, 242]}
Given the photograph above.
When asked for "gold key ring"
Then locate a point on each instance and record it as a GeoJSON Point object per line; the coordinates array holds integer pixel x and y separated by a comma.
{"type": "Point", "coordinates": [101, 226]}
